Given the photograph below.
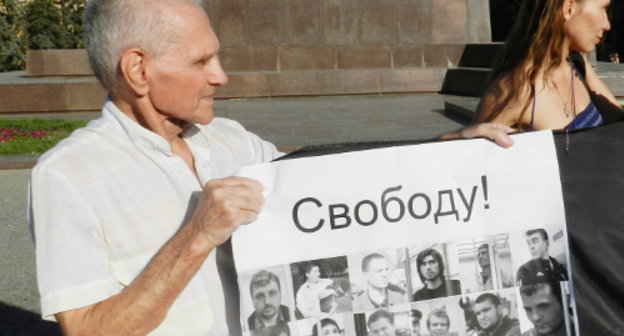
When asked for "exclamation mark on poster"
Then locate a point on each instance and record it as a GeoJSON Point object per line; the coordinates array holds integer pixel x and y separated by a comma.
{"type": "Point", "coordinates": [485, 190]}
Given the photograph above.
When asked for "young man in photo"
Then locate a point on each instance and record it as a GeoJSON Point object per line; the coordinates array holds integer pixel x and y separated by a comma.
{"type": "Point", "coordinates": [483, 280]}
{"type": "Point", "coordinates": [266, 295]}
{"type": "Point", "coordinates": [542, 267]}
{"type": "Point", "coordinates": [432, 273]}
{"type": "Point", "coordinates": [491, 318]}
{"type": "Point", "coordinates": [378, 293]}
{"type": "Point", "coordinates": [438, 323]}
{"type": "Point", "coordinates": [543, 305]}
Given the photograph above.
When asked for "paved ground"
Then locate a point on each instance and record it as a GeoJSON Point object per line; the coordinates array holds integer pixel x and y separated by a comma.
{"type": "Point", "coordinates": [288, 122]}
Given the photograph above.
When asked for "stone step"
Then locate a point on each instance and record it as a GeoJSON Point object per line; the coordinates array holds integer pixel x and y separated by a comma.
{"type": "Point", "coordinates": [462, 108]}
{"type": "Point", "coordinates": [479, 55]}
{"type": "Point", "coordinates": [466, 81]}
{"type": "Point", "coordinates": [472, 81]}
{"type": "Point", "coordinates": [20, 93]}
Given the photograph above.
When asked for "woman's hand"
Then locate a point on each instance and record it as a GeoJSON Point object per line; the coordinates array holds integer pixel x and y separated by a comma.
{"type": "Point", "coordinates": [496, 132]}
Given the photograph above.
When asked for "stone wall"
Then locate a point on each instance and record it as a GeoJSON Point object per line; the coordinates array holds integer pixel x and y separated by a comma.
{"type": "Point", "coordinates": [273, 48]}
{"type": "Point", "coordinates": [305, 47]}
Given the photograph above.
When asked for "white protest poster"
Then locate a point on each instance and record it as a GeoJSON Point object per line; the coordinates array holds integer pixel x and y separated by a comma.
{"type": "Point", "coordinates": [449, 238]}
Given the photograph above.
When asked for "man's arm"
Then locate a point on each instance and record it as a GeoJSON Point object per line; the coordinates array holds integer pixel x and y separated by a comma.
{"type": "Point", "coordinates": [141, 307]}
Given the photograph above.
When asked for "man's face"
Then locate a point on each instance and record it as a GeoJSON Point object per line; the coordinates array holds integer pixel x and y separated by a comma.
{"type": "Point", "coordinates": [266, 300]}
{"type": "Point", "coordinates": [378, 273]}
{"type": "Point", "coordinates": [329, 330]}
{"type": "Point", "coordinates": [183, 79]}
{"type": "Point", "coordinates": [438, 326]}
{"type": "Point", "coordinates": [483, 257]}
{"type": "Point", "coordinates": [382, 327]}
{"type": "Point", "coordinates": [488, 315]}
{"type": "Point", "coordinates": [537, 246]}
{"type": "Point", "coordinates": [429, 268]}
{"type": "Point", "coordinates": [544, 311]}
{"type": "Point", "coordinates": [415, 326]}
{"type": "Point", "coordinates": [314, 274]}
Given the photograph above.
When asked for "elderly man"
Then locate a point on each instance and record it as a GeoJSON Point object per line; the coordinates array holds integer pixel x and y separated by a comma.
{"type": "Point", "coordinates": [491, 318]}
{"type": "Point", "coordinates": [542, 267]}
{"type": "Point", "coordinates": [266, 295]}
{"type": "Point", "coordinates": [126, 213]}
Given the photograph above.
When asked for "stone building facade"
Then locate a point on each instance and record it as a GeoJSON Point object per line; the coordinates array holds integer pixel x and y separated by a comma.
{"type": "Point", "coordinates": [309, 47]}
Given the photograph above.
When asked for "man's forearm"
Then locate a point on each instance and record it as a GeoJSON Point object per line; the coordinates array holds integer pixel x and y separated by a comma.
{"type": "Point", "coordinates": [143, 305]}
{"type": "Point", "coordinates": [139, 308]}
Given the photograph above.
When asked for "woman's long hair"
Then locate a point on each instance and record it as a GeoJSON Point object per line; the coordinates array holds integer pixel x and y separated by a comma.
{"type": "Point", "coordinates": [534, 44]}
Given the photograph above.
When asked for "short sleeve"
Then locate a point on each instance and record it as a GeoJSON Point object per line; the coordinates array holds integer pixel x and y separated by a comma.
{"type": "Point", "coordinates": [72, 261]}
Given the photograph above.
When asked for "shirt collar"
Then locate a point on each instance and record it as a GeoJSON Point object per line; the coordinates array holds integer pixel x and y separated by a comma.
{"type": "Point", "coordinates": [136, 133]}
{"type": "Point", "coordinates": [258, 323]}
{"type": "Point", "coordinates": [383, 303]}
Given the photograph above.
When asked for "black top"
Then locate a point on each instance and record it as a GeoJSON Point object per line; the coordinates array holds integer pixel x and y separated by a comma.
{"type": "Point", "coordinates": [448, 288]}
{"type": "Point", "coordinates": [540, 271]}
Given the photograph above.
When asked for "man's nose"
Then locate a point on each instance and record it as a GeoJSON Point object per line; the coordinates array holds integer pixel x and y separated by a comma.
{"type": "Point", "coordinates": [217, 76]}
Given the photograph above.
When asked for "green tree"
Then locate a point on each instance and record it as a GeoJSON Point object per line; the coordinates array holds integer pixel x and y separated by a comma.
{"type": "Point", "coordinates": [11, 46]}
{"type": "Point", "coordinates": [44, 27]}
{"type": "Point", "coordinates": [71, 16]}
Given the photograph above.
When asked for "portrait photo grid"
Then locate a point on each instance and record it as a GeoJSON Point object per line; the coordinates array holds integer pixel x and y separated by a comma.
{"type": "Point", "coordinates": [438, 288]}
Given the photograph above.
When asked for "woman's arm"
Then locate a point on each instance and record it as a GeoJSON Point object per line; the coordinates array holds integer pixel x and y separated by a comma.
{"type": "Point", "coordinates": [595, 85]}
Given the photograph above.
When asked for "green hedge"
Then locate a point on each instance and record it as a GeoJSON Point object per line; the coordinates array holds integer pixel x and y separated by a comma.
{"type": "Point", "coordinates": [37, 24]}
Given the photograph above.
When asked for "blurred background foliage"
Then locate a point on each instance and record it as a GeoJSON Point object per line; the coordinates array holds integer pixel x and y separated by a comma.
{"type": "Point", "coordinates": [35, 25]}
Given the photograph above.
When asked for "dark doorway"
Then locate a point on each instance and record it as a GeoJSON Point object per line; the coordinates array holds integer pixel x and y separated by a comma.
{"type": "Point", "coordinates": [504, 12]}
{"type": "Point", "coordinates": [502, 16]}
{"type": "Point", "coordinates": [614, 39]}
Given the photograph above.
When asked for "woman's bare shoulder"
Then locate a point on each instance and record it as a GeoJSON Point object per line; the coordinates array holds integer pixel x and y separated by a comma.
{"type": "Point", "coordinates": [504, 100]}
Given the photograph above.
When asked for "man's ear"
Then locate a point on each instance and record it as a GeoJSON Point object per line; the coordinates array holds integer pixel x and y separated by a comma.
{"type": "Point", "coordinates": [133, 67]}
{"type": "Point", "coordinates": [569, 8]}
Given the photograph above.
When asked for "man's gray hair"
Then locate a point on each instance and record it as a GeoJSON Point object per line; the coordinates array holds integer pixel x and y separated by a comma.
{"type": "Point", "coordinates": [113, 26]}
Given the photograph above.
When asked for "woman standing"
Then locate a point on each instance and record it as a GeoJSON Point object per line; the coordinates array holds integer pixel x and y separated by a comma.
{"type": "Point", "coordinates": [541, 80]}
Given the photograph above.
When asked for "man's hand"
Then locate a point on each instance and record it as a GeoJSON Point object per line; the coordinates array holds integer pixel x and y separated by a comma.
{"type": "Point", "coordinates": [226, 204]}
{"type": "Point", "coordinates": [496, 132]}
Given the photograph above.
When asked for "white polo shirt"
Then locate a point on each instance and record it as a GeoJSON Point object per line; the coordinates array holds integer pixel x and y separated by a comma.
{"type": "Point", "coordinates": [104, 200]}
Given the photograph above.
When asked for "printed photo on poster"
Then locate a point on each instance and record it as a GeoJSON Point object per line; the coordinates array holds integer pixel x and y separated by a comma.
{"type": "Point", "coordinates": [437, 270]}
{"type": "Point", "coordinates": [485, 263]}
{"type": "Point", "coordinates": [378, 280]}
{"type": "Point", "coordinates": [265, 299]}
{"type": "Point", "coordinates": [322, 287]}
